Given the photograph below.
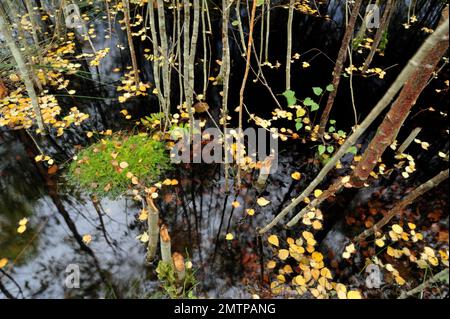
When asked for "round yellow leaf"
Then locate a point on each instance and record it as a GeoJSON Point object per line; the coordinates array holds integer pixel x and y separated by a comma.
{"type": "Point", "coordinates": [397, 229]}
{"type": "Point", "coordinates": [3, 262]}
{"type": "Point", "coordinates": [296, 176]}
{"type": "Point", "coordinates": [235, 204]}
{"type": "Point", "coordinates": [261, 201]}
{"type": "Point", "coordinates": [229, 236]}
{"type": "Point", "coordinates": [283, 254]}
{"type": "Point", "coordinates": [21, 229]}
{"type": "Point", "coordinates": [87, 238]}
{"type": "Point", "coordinates": [250, 212]}
{"type": "Point", "coordinates": [317, 193]}
{"type": "Point", "coordinates": [273, 239]}
{"type": "Point", "coordinates": [271, 264]}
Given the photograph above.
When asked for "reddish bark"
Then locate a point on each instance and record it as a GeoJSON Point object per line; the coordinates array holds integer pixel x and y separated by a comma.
{"type": "Point", "coordinates": [342, 57]}
{"type": "Point", "coordinates": [399, 111]}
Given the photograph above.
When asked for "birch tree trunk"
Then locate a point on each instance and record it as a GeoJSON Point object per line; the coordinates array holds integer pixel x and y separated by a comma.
{"type": "Point", "coordinates": [186, 61]}
{"type": "Point", "coordinates": [156, 57]}
{"type": "Point", "coordinates": [342, 57]}
{"type": "Point", "coordinates": [289, 44]}
{"type": "Point", "coordinates": [242, 90]}
{"type": "Point", "coordinates": [226, 80]}
{"type": "Point", "coordinates": [22, 67]}
{"type": "Point", "coordinates": [126, 12]}
{"type": "Point", "coordinates": [166, 55]}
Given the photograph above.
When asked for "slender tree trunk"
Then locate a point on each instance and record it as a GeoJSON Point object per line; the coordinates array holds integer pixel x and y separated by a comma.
{"type": "Point", "coordinates": [289, 44]}
{"type": "Point", "coordinates": [226, 80]}
{"type": "Point", "coordinates": [165, 65]}
{"type": "Point", "coordinates": [399, 111]}
{"type": "Point", "coordinates": [240, 28]}
{"type": "Point", "coordinates": [342, 57]}
{"type": "Point", "coordinates": [156, 57]}
{"type": "Point", "coordinates": [266, 49]}
{"type": "Point", "coordinates": [242, 90]}
{"type": "Point", "coordinates": [205, 50]}
{"type": "Point", "coordinates": [126, 12]}
{"type": "Point", "coordinates": [409, 140]}
{"type": "Point", "coordinates": [193, 49]}
{"type": "Point", "coordinates": [411, 197]}
{"type": "Point", "coordinates": [440, 34]}
{"type": "Point", "coordinates": [384, 23]}
{"type": "Point", "coordinates": [22, 67]}
{"type": "Point", "coordinates": [186, 68]}
{"type": "Point", "coordinates": [362, 30]}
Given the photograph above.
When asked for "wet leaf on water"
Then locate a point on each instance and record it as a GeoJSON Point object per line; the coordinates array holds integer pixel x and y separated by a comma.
{"type": "Point", "coordinates": [283, 254]}
{"type": "Point", "coordinates": [87, 239]}
{"type": "Point", "coordinates": [273, 240]}
{"type": "Point", "coordinates": [3, 262]}
{"type": "Point", "coordinates": [261, 201]}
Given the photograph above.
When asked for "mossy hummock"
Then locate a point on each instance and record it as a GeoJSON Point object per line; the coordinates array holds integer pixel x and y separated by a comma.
{"type": "Point", "coordinates": [111, 166]}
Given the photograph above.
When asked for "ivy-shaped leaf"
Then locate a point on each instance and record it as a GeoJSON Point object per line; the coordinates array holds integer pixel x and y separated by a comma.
{"type": "Point", "coordinates": [308, 101]}
{"type": "Point", "coordinates": [317, 91]}
{"type": "Point", "coordinates": [321, 149]}
{"type": "Point", "coordinates": [330, 88]}
{"type": "Point", "coordinates": [290, 97]}
{"type": "Point", "coordinates": [353, 150]}
{"type": "Point", "coordinates": [314, 107]}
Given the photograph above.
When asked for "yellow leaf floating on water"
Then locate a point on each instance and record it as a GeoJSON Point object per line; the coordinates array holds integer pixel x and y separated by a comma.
{"type": "Point", "coordinates": [3, 262]}
{"type": "Point", "coordinates": [354, 294]}
{"type": "Point", "coordinates": [261, 201]}
{"type": "Point", "coordinates": [317, 257]}
{"type": "Point", "coordinates": [296, 176]}
{"type": "Point", "coordinates": [317, 193]}
{"type": "Point", "coordinates": [87, 239]}
{"type": "Point", "coordinates": [397, 229]}
{"type": "Point", "coordinates": [349, 250]}
{"type": "Point", "coordinates": [317, 225]}
{"type": "Point", "coordinates": [250, 212]}
{"type": "Point", "coordinates": [271, 264]}
{"type": "Point", "coordinates": [300, 280]}
{"type": "Point", "coordinates": [379, 242]}
{"type": "Point", "coordinates": [229, 236]}
{"type": "Point", "coordinates": [21, 229]}
{"type": "Point", "coordinates": [235, 204]}
{"type": "Point", "coordinates": [273, 239]}
{"type": "Point", "coordinates": [143, 215]}
{"type": "Point", "coordinates": [283, 254]}
{"type": "Point", "coordinates": [144, 237]}
{"type": "Point", "coordinates": [23, 221]}
{"type": "Point", "coordinates": [400, 280]}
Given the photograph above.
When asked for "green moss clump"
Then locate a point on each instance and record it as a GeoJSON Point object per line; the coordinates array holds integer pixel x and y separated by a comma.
{"type": "Point", "coordinates": [104, 167]}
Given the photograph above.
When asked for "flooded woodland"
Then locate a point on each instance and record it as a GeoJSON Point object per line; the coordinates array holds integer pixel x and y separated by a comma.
{"type": "Point", "coordinates": [347, 197]}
